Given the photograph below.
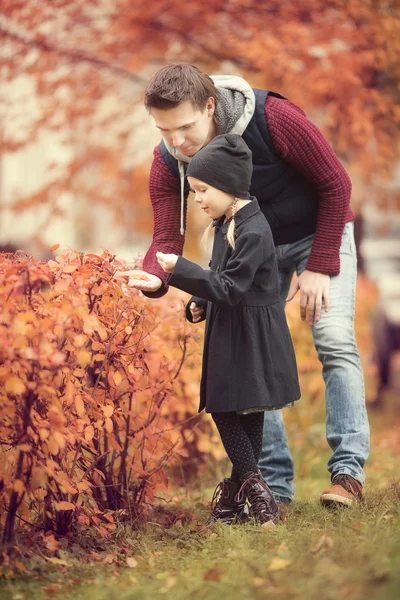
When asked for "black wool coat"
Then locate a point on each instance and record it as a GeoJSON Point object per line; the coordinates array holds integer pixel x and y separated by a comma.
{"type": "Point", "coordinates": [248, 359]}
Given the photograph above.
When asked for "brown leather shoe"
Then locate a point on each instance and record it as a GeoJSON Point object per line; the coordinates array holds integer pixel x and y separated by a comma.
{"type": "Point", "coordinates": [343, 492]}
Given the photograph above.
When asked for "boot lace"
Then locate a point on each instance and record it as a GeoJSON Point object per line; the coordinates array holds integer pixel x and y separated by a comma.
{"type": "Point", "coordinates": [257, 499]}
{"type": "Point", "coordinates": [218, 492]}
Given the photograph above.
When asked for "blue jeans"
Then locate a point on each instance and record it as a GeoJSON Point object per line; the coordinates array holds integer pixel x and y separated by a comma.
{"type": "Point", "coordinates": [347, 427]}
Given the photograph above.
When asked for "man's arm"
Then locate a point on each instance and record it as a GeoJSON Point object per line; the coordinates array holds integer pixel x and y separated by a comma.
{"type": "Point", "coordinates": [165, 199]}
{"type": "Point", "coordinates": [303, 146]}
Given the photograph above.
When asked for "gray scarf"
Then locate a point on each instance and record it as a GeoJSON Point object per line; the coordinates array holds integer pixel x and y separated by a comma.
{"type": "Point", "coordinates": [228, 110]}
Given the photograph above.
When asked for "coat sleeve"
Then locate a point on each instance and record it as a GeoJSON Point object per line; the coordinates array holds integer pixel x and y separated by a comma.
{"type": "Point", "coordinates": [226, 288]}
{"type": "Point", "coordinates": [164, 190]}
{"type": "Point", "coordinates": [200, 302]}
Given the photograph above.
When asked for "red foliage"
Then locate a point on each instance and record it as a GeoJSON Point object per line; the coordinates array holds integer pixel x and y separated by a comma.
{"type": "Point", "coordinates": [93, 386]}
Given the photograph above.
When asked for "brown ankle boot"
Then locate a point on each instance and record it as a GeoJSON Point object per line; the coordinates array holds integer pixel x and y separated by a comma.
{"type": "Point", "coordinates": [344, 491]}
{"type": "Point", "coordinates": [224, 506]}
{"type": "Point", "coordinates": [263, 505]}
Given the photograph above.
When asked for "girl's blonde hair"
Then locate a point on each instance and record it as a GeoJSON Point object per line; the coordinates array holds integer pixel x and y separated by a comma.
{"type": "Point", "coordinates": [208, 235]}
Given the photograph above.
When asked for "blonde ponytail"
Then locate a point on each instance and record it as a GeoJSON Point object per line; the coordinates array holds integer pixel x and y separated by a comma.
{"type": "Point", "coordinates": [208, 236]}
{"type": "Point", "coordinates": [230, 234]}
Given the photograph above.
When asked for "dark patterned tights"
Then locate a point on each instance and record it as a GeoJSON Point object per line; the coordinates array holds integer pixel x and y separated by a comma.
{"type": "Point", "coordinates": [242, 437]}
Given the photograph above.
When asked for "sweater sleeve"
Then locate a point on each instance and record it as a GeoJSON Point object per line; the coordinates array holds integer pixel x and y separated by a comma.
{"type": "Point", "coordinates": [226, 288]}
{"type": "Point", "coordinates": [165, 199]}
{"type": "Point", "coordinates": [303, 146]}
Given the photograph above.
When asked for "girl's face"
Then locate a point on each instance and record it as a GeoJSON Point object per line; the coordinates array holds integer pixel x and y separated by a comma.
{"type": "Point", "coordinates": [215, 203]}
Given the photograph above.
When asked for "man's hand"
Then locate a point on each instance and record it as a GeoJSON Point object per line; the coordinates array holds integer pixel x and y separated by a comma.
{"type": "Point", "coordinates": [314, 288]}
{"type": "Point", "coordinates": [196, 311]}
{"type": "Point", "coordinates": [167, 261]}
{"type": "Point", "coordinates": [140, 280]}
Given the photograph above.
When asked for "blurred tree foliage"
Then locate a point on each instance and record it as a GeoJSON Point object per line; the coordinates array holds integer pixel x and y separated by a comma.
{"type": "Point", "coordinates": [86, 65]}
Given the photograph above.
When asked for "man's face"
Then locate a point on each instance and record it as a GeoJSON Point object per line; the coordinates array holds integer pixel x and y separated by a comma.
{"type": "Point", "coordinates": [186, 127]}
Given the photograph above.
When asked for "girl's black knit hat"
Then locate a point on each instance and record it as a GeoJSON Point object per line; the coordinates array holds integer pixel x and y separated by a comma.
{"type": "Point", "coordinates": [225, 163]}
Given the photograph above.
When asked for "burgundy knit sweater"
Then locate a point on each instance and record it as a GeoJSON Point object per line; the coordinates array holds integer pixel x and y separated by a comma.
{"type": "Point", "coordinates": [301, 144]}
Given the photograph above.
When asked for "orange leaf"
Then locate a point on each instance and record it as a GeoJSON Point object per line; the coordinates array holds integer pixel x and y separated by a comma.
{"type": "Point", "coordinates": [44, 433]}
{"type": "Point", "coordinates": [60, 439]}
{"type": "Point", "coordinates": [89, 433]}
{"type": "Point", "coordinates": [108, 425]}
{"type": "Point", "coordinates": [84, 357]}
{"type": "Point", "coordinates": [108, 410]}
{"type": "Point", "coordinates": [79, 405]}
{"type": "Point", "coordinates": [54, 247]}
{"type": "Point", "coordinates": [18, 486]}
{"type": "Point", "coordinates": [117, 378]}
{"type": "Point", "coordinates": [14, 385]}
{"type": "Point", "coordinates": [65, 505]}
{"type": "Point", "coordinates": [70, 268]}
{"type": "Point", "coordinates": [53, 446]}
{"type": "Point", "coordinates": [51, 543]}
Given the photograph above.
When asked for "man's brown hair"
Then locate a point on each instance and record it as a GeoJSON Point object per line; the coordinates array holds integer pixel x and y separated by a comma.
{"type": "Point", "coordinates": [173, 84]}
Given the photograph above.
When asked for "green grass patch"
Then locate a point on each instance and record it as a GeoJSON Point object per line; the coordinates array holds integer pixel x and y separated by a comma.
{"type": "Point", "coordinates": [349, 554]}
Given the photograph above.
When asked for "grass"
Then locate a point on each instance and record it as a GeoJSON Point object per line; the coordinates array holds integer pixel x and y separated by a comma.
{"type": "Point", "coordinates": [350, 554]}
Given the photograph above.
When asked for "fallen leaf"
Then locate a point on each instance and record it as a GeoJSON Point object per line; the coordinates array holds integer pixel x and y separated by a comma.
{"type": "Point", "coordinates": [131, 562]}
{"type": "Point", "coordinates": [57, 561]}
{"type": "Point", "coordinates": [269, 526]}
{"type": "Point", "coordinates": [169, 583]}
{"type": "Point", "coordinates": [109, 559]}
{"type": "Point", "coordinates": [324, 542]}
{"type": "Point", "coordinates": [277, 564]}
{"type": "Point", "coordinates": [51, 589]}
{"type": "Point", "coordinates": [51, 543]}
{"type": "Point", "coordinates": [213, 574]}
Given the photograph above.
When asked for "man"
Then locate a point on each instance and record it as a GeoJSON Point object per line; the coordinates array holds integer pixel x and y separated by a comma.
{"type": "Point", "coordinates": [304, 192]}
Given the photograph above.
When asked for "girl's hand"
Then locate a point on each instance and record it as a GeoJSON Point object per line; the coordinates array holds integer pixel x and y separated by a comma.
{"type": "Point", "coordinates": [167, 261]}
{"type": "Point", "coordinates": [196, 312]}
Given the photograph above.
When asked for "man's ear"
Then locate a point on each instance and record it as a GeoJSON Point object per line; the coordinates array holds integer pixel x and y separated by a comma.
{"type": "Point", "coordinates": [210, 106]}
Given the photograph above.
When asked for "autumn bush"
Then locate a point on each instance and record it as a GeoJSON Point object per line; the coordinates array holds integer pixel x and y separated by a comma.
{"type": "Point", "coordinates": [98, 392]}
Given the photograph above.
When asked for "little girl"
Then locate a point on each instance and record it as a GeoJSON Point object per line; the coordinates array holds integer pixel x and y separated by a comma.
{"type": "Point", "coordinates": [249, 364]}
